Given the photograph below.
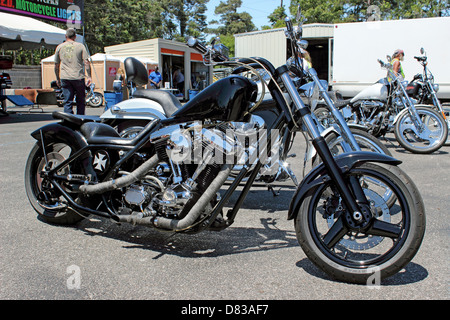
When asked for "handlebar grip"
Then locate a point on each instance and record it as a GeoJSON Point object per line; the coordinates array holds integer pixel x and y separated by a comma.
{"type": "Point", "coordinates": [420, 58]}
{"type": "Point", "coordinates": [195, 44]}
{"type": "Point", "coordinates": [381, 62]}
{"type": "Point", "coordinates": [265, 63]}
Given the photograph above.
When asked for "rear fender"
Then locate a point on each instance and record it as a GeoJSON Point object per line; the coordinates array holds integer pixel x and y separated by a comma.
{"type": "Point", "coordinates": [358, 126]}
{"type": "Point", "coordinates": [56, 132]}
{"type": "Point", "coordinates": [320, 176]}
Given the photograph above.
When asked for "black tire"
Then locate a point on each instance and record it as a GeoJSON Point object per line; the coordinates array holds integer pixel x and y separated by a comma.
{"type": "Point", "coordinates": [97, 100]}
{"type": "Point", "coordinates": [34, 185]}
{"type": "Point", "coordinates": [447, 116]}
{"type": "Point", "coordinates": [351, 259]}
{"type": "Point", "coordinates": [411, 142]}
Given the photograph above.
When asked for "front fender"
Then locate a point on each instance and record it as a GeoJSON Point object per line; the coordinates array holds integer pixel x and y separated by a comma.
{"type": "Point", "coordinates": [319, 175]}
{"type": "Point", "coordinates": [401, 113]}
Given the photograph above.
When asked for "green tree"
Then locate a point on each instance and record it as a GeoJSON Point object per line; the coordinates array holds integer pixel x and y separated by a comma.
{"type": "Point", "coordinates": [184, 18]}
{"type": "Point", "coordinates": [319, 11]}
{"type": "Point", "coordinates": [334, 11]}
{"type": "Point", "coordinates": [112, 22]}
{"type": "Point", "coordinates": [277, 17]}
{"type": "Point", "coordinates": [231, 20]}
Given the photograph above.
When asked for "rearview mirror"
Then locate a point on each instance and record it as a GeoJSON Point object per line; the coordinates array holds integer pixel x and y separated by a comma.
{"type": "Point", "coordinates": [299, 17]}
{"type": "Point", "coordinates": [303, 44]}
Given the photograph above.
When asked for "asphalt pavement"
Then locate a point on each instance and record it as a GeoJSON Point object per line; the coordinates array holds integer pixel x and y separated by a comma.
{"type": "Point", "coordinates": [257, 258]}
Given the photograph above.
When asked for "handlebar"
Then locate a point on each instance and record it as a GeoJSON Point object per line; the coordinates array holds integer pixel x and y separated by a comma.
{"type": "Point", "coordinates": [382, 64]}
{"type": "Point", "coordinates": [209, 53]}
{"type": "Point", "coordinates": [195, 44]}
{"type": "Point", "coordinates": [420, 58]}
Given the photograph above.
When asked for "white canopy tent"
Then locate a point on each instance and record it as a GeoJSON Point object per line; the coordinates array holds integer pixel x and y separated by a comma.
{"type": "Point", "coordinates": [24, 32]}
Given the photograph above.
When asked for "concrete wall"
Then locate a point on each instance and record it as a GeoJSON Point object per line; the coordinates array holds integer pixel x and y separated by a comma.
{"type": "Point", "coordinates": [25, 76]}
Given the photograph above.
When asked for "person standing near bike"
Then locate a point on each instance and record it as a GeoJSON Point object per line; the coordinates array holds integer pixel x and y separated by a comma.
{"type": "Point", "coordinates": [397, 59]}
{"type": "Point", "coordinates": [71, 64]}
{"type": "Point", "coordinates": [155, 79]}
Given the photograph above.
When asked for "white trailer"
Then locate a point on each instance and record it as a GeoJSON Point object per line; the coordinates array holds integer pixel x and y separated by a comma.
{"type": "Point", "coordinates": [357, 46]}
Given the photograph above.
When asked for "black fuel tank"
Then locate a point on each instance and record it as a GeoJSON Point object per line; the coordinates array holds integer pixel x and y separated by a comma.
{"type": "Point", "coordinates": [227, 99]}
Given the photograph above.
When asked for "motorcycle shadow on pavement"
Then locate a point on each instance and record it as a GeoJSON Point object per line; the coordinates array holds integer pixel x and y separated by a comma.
{"type": "Point", "coordinates": [260, 233]}
{"type": "Point", "coordinates": [412, 273]}
{"type": "Point", "coordinates": [270, 198]}
{"type": "Point", "coordinates": [206, 244]}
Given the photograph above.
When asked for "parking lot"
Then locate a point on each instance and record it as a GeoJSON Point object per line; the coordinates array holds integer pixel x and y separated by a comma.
{"type": "Point", "coordinates": [257, 258]}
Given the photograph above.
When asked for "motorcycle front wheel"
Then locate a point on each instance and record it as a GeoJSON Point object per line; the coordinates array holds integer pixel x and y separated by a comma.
{"type": "Point", "coordinates": [97, 100]}
{"type": "Point", "coordinates": [361, 254]}
{"type": "Point", "coordinates": [421, 140]}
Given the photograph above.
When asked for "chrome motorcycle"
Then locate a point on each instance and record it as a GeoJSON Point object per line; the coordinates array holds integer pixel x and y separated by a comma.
{"type": "Point", "coordinates": [93, 98]}
{"type": "Point", "coordinates": [423, 90]}
{"type": "Point", "coordinates": [386, 107]}
{"type": "Point", "coordinates": [168, 177]}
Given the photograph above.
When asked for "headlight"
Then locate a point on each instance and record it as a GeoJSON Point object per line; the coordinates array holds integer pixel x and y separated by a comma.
{"type": "Point", "coordinates": [436, 87]}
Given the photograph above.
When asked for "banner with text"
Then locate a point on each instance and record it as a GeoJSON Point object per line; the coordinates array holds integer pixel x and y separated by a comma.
{"type": "Point", "coordinates": [65, 11]}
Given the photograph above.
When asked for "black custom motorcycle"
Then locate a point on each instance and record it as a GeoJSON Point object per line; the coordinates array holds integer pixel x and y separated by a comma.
{"type": "Point", "coordinates": [168, 176]}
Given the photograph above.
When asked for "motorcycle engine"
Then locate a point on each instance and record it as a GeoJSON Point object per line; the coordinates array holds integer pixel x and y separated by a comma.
{"type": "Point", "coordinates": [369, 106]}
{"type": "Point", "coordinates": [191, 156]}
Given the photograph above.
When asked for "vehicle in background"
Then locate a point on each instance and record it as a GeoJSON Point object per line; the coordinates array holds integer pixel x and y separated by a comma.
{"type": "Point", "coordinates": [6, 62]}
{"type": "Point", "coordinates": [357, 45]}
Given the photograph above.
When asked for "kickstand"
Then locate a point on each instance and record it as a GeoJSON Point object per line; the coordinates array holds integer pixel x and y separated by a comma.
{"type": "Point", "coordinates": [275, 193]}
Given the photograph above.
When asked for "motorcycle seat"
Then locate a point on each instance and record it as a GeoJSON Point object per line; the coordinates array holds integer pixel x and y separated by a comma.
{"type": "Point", "coordinates": [167, 100]}
{"type": "Point", "coordinates": [75, 119]}
{"type": "Point", "coordinates": [100, 133]}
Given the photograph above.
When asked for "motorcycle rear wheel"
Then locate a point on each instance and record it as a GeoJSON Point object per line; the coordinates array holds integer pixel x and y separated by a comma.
{"type": "Point", "coordinates": [431, 139]}
{"type": "Point", "coordinates": [377, 251]}
{"type": "Point", "coordinates": [44, 197]}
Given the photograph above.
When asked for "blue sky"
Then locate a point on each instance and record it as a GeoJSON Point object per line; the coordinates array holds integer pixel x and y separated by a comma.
{"type": "Point", "coordinates": [258, 9]}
